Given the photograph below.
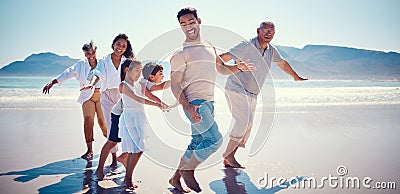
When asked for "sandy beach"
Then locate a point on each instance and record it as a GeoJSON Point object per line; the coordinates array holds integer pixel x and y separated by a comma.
{"type": "Point", "coordinates": [40, 149]}
{"type": "Point", "coordinates": [323, 78]}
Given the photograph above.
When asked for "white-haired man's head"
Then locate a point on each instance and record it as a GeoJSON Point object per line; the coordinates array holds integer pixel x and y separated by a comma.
{"type": "Point", "coordinates": [266, 32]}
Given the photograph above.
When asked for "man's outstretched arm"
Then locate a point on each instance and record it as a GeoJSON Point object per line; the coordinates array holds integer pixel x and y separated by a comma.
{"type": "Point", "coordinates": [285, 66]}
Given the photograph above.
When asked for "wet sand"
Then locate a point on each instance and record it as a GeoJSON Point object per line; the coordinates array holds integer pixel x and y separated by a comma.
{"type": "Point", "coordinates": [40, 149]}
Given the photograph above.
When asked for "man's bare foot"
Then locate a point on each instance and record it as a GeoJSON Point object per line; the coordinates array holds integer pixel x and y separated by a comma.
{"type": "Point", "coordinates": [88, 155]}
{"type": "Point", "coordinates": [176, 183]}
{"type": "Point", "coordinates": [99, 175]}
{"type": "Point", "coordinates": [188, 177]}
{"type": "Point", "coordinates": [231, 162]}
{"type": "Point", "coordinates": [123, 159]}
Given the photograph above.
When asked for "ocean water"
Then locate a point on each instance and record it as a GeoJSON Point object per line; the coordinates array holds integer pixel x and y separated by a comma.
{"type": "Point", "coordinates": [26, 92]}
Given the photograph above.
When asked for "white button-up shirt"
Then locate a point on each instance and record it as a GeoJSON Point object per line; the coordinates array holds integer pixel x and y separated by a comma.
{"type": "Point", "coordinates": [80, 70]}
{"type": "Point", "coordinates": [108, 74]}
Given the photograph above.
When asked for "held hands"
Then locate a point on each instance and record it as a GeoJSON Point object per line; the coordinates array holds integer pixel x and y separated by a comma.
{"type": "Point", "coordinates": [245, 66]}
{"type": "Point", "coordinates": [164, 107]}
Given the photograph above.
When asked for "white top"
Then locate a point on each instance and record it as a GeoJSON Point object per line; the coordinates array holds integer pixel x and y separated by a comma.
{"type": "Point", "coordinates": [90, 76]}
{"type": "Point", "coordinates": [80, 70]}
{"type": "Point", "coordinates": [133, 124]}
{"type": "Point", "coordinates": [147, 83]}
{"type": "Point", "coordinates": [198, 63]}
{"type": "Point", "coordinates": [129, 103]}
{"type": "Point", "coordinates": [107, 72]}
{"type": "Point", "coordinates": [117, 108]}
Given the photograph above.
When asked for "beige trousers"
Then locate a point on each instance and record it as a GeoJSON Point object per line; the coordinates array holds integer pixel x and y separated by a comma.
{"type": "Point", "coordinates": [89, 109]}
{"type": "Point", "coordinates": [242, 108]}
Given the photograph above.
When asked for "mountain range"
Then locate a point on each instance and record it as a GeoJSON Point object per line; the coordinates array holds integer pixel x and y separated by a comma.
{"type": "Point", "coordinates": [38, 65]}
{"type": "Point", "coordinates": [333, 62]}
{"type": "Point", "coordinates": [312, 61]}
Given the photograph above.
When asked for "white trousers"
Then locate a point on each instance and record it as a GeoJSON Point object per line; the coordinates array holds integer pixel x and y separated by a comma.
{"type": "Point", "coordinates": [242, 108]}
{"type": "Point", "coordinates": [108, 99]}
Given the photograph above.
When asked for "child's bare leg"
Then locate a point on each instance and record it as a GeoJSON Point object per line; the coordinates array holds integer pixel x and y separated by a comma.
{"type": "Point", "coordinates": [128, 173]}
{"type": "Point", "coordinates": [114, 163]}
{"type": "Point", "coordinates": [103, 156]}
{"type": "Point", "coordinates": [133, 159]}
{"type": "Point", "coordinates": [175, 180]}
{"type": "Point", "coordinates": [123, 158]}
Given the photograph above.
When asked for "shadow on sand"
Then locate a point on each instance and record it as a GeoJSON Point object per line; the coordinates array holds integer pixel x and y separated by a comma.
{"type": "Point", "coordinates": [80, 177]}
{"type": "Point", "coordinates": [238, 182]}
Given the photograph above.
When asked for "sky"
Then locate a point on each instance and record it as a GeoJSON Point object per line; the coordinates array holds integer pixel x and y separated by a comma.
{"type": "Point", "coordinates": [63, 26]}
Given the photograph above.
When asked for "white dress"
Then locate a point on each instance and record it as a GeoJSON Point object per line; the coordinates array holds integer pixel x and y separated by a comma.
{"type": "Point", "coordinates": [133, 124]}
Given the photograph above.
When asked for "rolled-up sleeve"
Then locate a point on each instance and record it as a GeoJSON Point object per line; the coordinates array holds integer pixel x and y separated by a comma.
{"type": "Point", "coordinates": [67, 74]}
{"type": "Point", "coordinates": [276, 56]}
{"type": "Point", "coordinates": [100, 69]}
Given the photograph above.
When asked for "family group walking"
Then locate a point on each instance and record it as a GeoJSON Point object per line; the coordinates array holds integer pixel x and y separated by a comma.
{"type": "Point", "coordinates": [111, 89]}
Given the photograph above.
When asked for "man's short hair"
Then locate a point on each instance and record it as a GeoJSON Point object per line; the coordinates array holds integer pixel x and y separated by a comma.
{"type": "Point", "coordinates": [151, 68]}
{"type": "Point", "coordinates": [187, 10]}
{"type": "Point", "coordinates": [266, 23]}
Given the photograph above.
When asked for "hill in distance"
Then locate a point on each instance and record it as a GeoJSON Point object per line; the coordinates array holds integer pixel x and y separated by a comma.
{"type": "Point", "coordinates": [38, 65]}
{"type": "Point", "coordinates": [332, 62]}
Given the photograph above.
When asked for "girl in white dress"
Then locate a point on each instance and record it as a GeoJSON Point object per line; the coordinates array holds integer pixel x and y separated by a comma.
{"type": "Point", "coordinates": [133, 123]}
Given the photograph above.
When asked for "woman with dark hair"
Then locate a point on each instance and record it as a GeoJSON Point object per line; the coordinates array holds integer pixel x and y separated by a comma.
{"type": "Point", "coordinates": [108, 71]}
{"type": "Point", "coordinates": [113, 138]}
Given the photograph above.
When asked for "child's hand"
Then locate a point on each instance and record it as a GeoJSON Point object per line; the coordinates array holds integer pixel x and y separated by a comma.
{"type": "Point", "coordinates": [165, 107]}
